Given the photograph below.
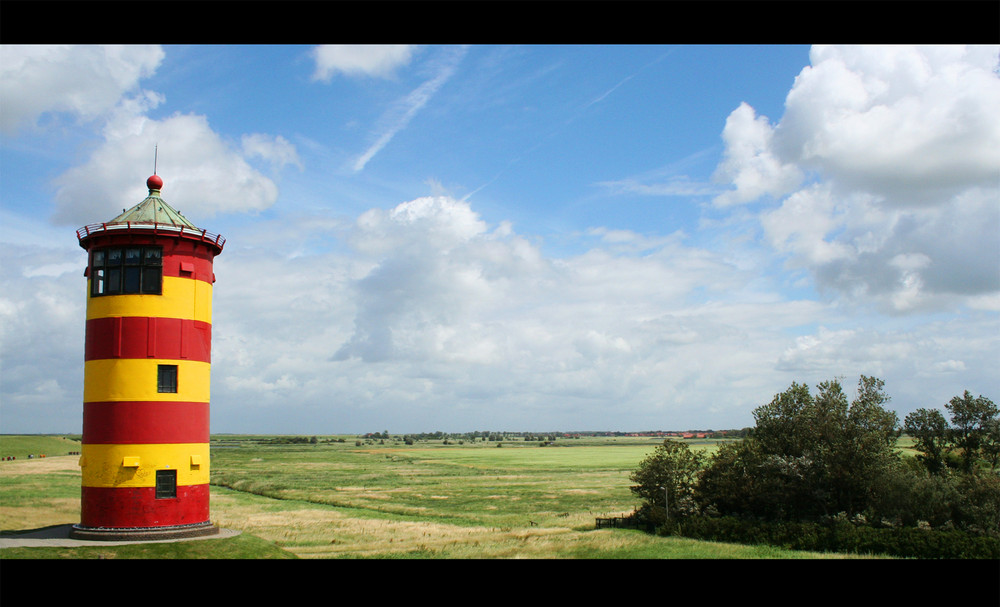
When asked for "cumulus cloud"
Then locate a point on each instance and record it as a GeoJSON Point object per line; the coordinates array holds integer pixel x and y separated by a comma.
{"type": "Point", "coordinates": [885, 164]}
{"type": "Point", "coordinates": [425, 271]}
{"type": "Point", "coordinates": [203, 174]}
{"type": "Point", "coordinates": [750, 163]}
{"type": "Point", "coordinates": [911, 124]}
{"type": "Point", "coordinates": [359, 60]}
{"type": "Point", "coordinates": [431, 318]}
{"type": "Point", "coordinates": [459, 322]}
{"type": "Point", "coordinates": [919, 362]}
{"type": "Point", "coordinates": [41, 332]}
{"type": "Point", "coordinates": [82, 81]}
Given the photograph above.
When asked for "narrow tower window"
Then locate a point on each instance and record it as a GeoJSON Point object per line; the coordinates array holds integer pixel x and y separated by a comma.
{"type": "Point", "coordinates": [166, 378]}
{"type": "Point", "coordinates": [98, 281]}
{"type": "Point", "coordinates": [152, 270]}
{"type": "Point", "coordinates": [166, 484]}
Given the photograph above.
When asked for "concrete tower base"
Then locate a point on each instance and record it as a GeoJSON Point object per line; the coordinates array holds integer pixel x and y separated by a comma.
{"type": "Point", "coordinates": [142, 534]}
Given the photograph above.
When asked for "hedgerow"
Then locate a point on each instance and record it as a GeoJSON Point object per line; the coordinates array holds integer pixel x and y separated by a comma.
{"type": "Point", "coordinates": [837, 536]}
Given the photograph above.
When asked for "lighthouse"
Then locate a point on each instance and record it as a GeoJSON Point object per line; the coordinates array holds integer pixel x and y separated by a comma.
{"type": "Point", "coordinates": [145, 454]}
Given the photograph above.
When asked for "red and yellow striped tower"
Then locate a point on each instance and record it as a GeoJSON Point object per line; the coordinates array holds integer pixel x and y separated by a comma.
{"type": "Point", "coordinates": [145, 455]}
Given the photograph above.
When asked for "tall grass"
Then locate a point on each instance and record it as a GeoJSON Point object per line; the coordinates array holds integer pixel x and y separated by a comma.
{"type": "Point", "coordinates": [434, 501]}
{"type": "Point", "coordinates": [429, 500]}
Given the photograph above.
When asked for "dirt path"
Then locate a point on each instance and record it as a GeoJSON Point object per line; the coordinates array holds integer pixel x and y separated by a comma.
{"type": "Point", "coordinates": [58, 535]}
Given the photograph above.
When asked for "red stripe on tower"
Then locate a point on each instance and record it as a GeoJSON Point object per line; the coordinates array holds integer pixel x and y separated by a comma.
{"type": "Point", "coordinates": [151, 422]}
{"type": "Point", "coordinates": [148, 337]}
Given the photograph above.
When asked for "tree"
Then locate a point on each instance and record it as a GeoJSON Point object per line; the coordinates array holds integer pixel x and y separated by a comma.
{"type": "Point", "coordinates": [991, 446]}
{"type": "Point", "coordinates": [669, 473]}
{"type": "Point", "coordinates": [807, 455]}
{"type": "Point", "coordinates": [929, 429]}
{"type": "Point", "coordinates": [867, 453]}
{"type": "Point", "coordinates": [974, 429]}
{"type": "Point", "coordinates": [732, 483]}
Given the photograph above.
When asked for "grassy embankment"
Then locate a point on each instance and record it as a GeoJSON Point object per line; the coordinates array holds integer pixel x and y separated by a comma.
{"type": "Point", "coordinates": [429, 500]}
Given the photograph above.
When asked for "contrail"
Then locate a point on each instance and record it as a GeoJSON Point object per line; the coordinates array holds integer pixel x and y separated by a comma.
{"type": "Point", "coordinates": [568, 121]}
{"type": "Point", "coordinates": [413, 103]}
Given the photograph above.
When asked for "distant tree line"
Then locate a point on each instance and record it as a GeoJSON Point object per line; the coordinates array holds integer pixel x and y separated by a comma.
{"type": "Point", "coordinates": [547, 436]}
{"type": "Point", "coordinates": [462, 437]}
{"type": "Point", "coordinates": [293, 440]}
{"type": "Point", "coordinates": [830, 470]}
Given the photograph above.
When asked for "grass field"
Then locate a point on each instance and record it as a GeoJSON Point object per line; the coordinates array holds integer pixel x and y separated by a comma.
{"type": "Point", "coordinates": [385, 500]}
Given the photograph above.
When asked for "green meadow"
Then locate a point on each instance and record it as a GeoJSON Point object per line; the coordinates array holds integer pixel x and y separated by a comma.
{"type": "Point", "coordinates": [336, 498]}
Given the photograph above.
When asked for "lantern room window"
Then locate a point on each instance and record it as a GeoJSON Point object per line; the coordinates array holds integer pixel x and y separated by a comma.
{"type": "Point", "coordinates": [126, 271]}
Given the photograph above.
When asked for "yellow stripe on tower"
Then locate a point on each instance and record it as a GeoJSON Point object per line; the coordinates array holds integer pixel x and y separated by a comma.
{"type": "Point", "coordinates": [136, 379]}
{"type": "Point", "coordinates": [105, 464]}
{"type": "Point", "coordinates": [182, 298]}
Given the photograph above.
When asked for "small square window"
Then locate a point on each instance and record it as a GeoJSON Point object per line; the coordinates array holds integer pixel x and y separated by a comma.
{"type": "Point", "coordinates": [166, 378]}
{"type": "Point", "coordinates": [166, 484]}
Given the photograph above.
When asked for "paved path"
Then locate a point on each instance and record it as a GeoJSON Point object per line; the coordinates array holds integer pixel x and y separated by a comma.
{"type": "Point", "coordinates": [58, 535]}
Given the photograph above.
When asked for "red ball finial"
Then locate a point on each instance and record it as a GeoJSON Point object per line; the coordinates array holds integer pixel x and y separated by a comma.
{"type": "Point", "coordinates": [154, 182]}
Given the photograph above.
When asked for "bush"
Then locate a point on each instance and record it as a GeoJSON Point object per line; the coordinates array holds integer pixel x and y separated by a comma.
{"type": "Point", "coordinates": [977, 508]}
{"type": "Point", "coordinates": [838, 536]}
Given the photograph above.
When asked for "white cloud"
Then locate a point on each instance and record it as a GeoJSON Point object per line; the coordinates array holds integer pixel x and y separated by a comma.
{"type": "Point", "coordinates": [276, 150]}
{"type": "Point", "coordinates": [898, 149]}
{"type": "Point", "coordinates": [83, 81]}
{"type": "Point", "coordinates": [203, 173]}
{"type": "Point", "coordinates": [802, 224]}
{"type": "Point", "coordinates": [911, 124]}
{"type": "Point", "coordinates": [429, 318]}
{"type": "Point", "coordinates": [42, 299]}
{"type": "Point", "coordinates": [360, 60]}
{"type": "Point", "coordinates": [750, 163]}
{"type": "Point", "coordinates": [924, 365]}
{"type": "Point", "coordinates": [434, 310]}
{"type": "Point", "coordinates": [674, 186]}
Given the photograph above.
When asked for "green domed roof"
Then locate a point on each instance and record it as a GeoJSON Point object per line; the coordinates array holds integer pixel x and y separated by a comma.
{"type": "Point", "coordinates": [153, 209]}
{"type": "Point", "coordinates": [152, 215]}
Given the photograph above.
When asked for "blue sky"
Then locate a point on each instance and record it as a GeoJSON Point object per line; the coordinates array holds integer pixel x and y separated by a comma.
{"type": "Point", "coordinates": [519, 237]}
